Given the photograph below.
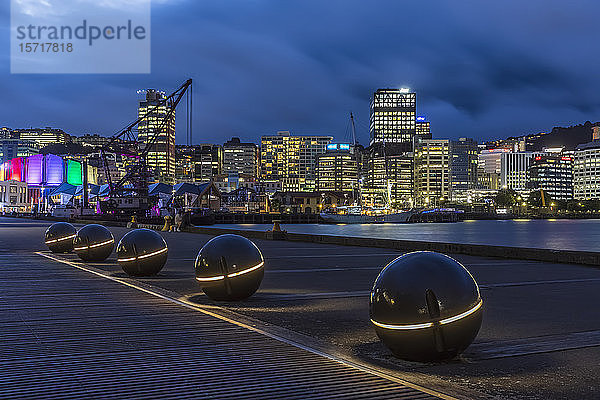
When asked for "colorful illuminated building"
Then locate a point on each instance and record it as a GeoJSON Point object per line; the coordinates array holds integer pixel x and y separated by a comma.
{"type": "Point", "coordinates": [35, 170]}
{"type": "Point", "coordinates": [74, 173]}
{"type": "Point", "coordinates": [41, 170]}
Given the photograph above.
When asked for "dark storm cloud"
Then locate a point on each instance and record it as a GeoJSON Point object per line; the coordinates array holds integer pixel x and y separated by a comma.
{"type": "Point", "coordinates": [480, 69]}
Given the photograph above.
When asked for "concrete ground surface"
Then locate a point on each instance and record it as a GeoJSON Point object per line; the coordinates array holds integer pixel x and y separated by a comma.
{"type": "Point", "coordinates": [540, 337]}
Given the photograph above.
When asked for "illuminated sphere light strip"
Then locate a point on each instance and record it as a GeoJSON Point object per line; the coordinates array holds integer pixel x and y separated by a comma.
{"type": "Point", "coordinates": [95, 245]}
{"type": "Point", "coordinates": [154, 253]}
{"type": "Point", "coordinates": [233, 274]}
{"type": "Point", "coordinates": [60, 239]}
{"type": "Point", "coordinates": [425, 306]}
{"type": "Point", "coordinates": [430, 324]}
{"type": "Point", "coordinates": [142, 252]}
{"type": "Point", "coordinates": [229, 268]}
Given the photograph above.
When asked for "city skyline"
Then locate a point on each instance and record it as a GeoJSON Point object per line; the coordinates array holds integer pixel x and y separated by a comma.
{"type": "Point", "coordinates": [245, 62]}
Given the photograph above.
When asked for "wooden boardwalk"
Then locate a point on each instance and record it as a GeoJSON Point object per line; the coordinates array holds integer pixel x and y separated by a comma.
{"type": "Point", "coordinates": [66, 333]}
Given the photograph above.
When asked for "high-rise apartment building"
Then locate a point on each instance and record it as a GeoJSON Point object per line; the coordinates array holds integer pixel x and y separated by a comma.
{"type": "Point", "coordinates": [393, 118]}
{"type": "Point", "coordinates": [240, 158]}
{"type": "Point", "coordinates": [432, 172]}
{"type": "Point", "coordinates": [513, 169]}
{"type": "Point", "coordinates": [292, 159]}
{"type": "Point", "coordinates": [463, 165]}
{"type": "Point", "coordinates": [161, 156]}
{"type": "Point", "coordinates": [553, 174]}
{"type": "Point", "coordinates": [337, 170]}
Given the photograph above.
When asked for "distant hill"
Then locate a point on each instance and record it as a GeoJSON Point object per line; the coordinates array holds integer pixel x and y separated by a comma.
{"type": "Point", "coordinates": [66, 148]}
{"type": "Point", "coordinates": [568, 137]}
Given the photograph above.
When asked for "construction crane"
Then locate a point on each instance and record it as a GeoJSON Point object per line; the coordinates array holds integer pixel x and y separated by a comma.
{"type": "Point", "coordinates": [130, 193]}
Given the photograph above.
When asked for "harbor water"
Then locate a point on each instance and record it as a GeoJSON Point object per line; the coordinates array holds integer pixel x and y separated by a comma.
{"type": "Point", "coordinates": [559, 234]}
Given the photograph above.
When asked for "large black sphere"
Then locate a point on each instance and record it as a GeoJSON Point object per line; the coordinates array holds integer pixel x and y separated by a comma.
{"type": "Point", "coordinates": [142, 252]}
{"type": "Point", "coordinates": [426, 306]}
{"type": "Point", "coordinates": [94, 243]}
{"type": "Point", "coordinates": [59, 237]}
{"type": "Point", "coordinates": [229, 267]}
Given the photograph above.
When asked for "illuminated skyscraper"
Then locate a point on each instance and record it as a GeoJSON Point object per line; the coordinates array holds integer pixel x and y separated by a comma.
{"type": "Point", "coordinates": [432, 172]}
{"type": "Point", "coordinates": [586, 171]}
{"type": "Point", "coordinates": [199, 163]}
{"type": "Point", "coordinates": [292, 160]}
{"type": "Point", "coordinates": [337, 170]}
{"type": "Point", "coordinates": [240, 158]}
{"type": "Point", "coordinates": [463, 165]}
{"type": "Point", "coordinates": [393, 119]}
{"type": "Point", "coordinates": [552, 173]}
{"type": "Point", "coordinates": [513, 169]}
{"type": "Point", "coordinates": [422, 128]}
{"type": "Point", "coordinates": [388, 181]}
{"type": "Point", "coordinates": [161, 157]}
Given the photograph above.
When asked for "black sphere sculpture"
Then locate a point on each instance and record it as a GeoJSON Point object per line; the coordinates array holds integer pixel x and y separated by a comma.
{"type": "Point", "coordinates": [229, 267]}
{"type": "Point", "coordinates": [94, 243]}
{"type": "Point", "coordinates": [59, 237]}
{"type": "Point", "coordinates": [142, 252]}
{"type": "Point", "coordinates": [425, 307]}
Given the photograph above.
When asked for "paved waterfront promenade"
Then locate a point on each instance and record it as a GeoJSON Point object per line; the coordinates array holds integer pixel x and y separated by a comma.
{"type": "Point", "coordinates": [73, 329]}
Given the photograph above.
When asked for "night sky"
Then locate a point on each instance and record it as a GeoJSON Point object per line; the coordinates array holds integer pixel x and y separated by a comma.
{"type": "Point", "coordinates": [480, 69]}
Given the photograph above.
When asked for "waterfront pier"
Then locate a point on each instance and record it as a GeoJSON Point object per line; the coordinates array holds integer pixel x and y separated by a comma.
{"type": "Point", "coordinates": [71, 329]}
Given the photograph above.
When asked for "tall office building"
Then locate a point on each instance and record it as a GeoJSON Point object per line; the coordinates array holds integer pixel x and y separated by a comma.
{"type": "Point", "coordinates": [586, 171]}
{"type": "Point", "coordinates": [553, 174]}
{"type": "Point", "coordinates": [388, 181]}
{"type": "Point", "coordinates": [393, 119]}
{"type": "Point", "coordinates": [463, 165]}
{"type": "Point", "coordinates": [489, 160]}
{"type": "Point", "coordinates": [198, 163]}
{"type": "Point", "coordinates": [208, 162]}
{"type": "Point", "coordinates": [292, 159]}
{"type": "Point", "coordinates": [513, 169]}
{"type": "Point", "coordinates": [337, 170]}
{"type": "Point", "coordinates": [161, 156]}
{"type": "Point", "coordinates": [432, 172]}
{"type": "Point", "coordinates": [422, 128]}
{"type": "Point", "coordinates": [240, 158]}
